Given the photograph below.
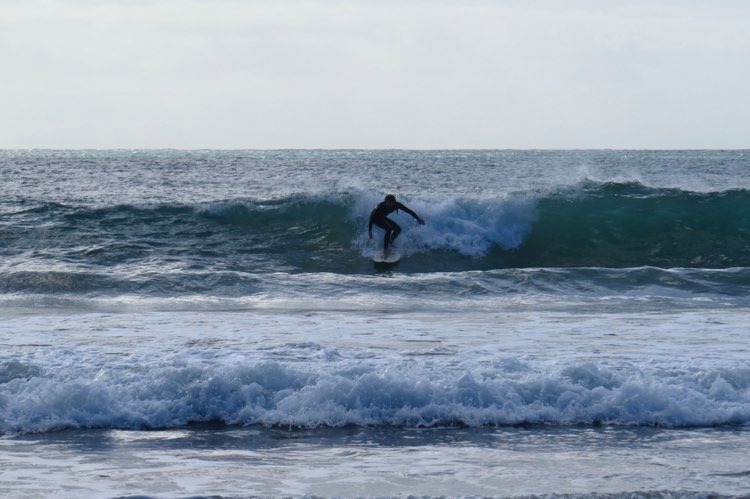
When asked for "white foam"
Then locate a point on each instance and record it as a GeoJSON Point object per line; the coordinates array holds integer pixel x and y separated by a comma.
{"type": "Point", "coordinates": [330, 392]}
{"type": "Point", "coordinates": [143, 370]}
{"type": "Point", "coordinates": [469, 226]}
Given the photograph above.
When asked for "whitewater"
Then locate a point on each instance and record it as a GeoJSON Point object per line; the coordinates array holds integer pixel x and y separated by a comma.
{"type": "Point", "coordinates": [210, 323]}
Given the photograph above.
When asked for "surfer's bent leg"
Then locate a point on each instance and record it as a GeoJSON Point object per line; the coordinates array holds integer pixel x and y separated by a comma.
{"type": "Point", "coordinates": [392, 230]}
{"type": "Point", "coordinates": [396, 228]}
{"type": "Point", "coordinates": [387, 225]}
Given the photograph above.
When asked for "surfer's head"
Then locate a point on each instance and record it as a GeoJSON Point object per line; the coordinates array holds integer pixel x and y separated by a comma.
{"type": "Point", "coordinates": [390, 200]}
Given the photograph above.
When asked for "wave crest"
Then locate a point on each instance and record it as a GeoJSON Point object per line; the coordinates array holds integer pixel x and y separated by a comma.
{"type": "Point", "coordinates": [611, 225]}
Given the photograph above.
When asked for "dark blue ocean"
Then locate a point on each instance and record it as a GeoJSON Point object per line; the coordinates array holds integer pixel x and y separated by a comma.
{"type": "Point", "coordinates": [211, 323]}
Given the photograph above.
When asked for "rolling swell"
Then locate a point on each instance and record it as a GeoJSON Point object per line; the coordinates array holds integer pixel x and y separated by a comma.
{"type": "Point", "coordinates": [626, 225]}
{"type": "Point", "coordinates": [594, 225]}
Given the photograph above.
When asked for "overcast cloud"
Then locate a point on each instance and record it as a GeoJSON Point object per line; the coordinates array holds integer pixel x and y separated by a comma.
{"type": "Point", "coordinates": [374, 74]}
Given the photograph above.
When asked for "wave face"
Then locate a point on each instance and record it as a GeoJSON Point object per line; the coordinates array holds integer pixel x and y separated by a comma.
{"type": "Point", "coordinates": [624, 225]}
{"type": "Point", "coordinates": [282, 394]}
{"type": "Point", "coordinates": [612, 225]}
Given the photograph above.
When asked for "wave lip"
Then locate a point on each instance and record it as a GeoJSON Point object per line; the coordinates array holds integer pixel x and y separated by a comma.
{"type": "Point", "coordinates": [277, 394]}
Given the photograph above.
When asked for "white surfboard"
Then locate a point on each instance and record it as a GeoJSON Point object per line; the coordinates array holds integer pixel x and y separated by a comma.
{"type": "Point", "coordinates": [391, 257]}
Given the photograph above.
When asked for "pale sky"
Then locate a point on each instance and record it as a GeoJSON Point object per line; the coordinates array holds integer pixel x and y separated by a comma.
{"type": "Point", "coordinates": [375, 74]}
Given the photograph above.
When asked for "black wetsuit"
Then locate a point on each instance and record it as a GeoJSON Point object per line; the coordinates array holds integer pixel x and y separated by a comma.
{"type": "Point", "coordinates": [379, 217]}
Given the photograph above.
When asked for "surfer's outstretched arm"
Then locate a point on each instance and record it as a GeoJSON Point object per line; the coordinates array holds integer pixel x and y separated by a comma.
{"type": "Point", "coordinates": [410, 212]}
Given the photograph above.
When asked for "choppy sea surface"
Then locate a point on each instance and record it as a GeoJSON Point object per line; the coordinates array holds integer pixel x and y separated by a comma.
{"type": "Point", "coordinates": [195, 323]}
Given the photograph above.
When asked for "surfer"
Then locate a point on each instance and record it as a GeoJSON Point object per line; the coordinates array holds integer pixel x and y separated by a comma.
{"type": "Point", "coordinates": [379, 217]}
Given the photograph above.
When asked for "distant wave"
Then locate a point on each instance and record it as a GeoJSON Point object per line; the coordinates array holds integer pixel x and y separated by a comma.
{"type": "Point", "coordinates": [612, 225]}
{"type": "Point", "coordinates": [279, 394]}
